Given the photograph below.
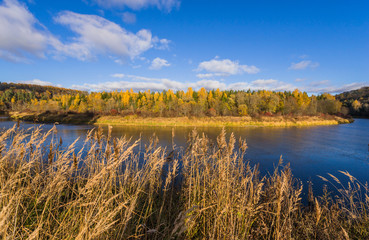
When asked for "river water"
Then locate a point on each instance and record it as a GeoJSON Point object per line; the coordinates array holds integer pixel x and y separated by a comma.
{"type": "Point", "coordinates": [311, 151]}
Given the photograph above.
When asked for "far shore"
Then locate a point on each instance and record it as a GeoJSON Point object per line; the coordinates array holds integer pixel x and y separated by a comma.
{"type": "Point", "coordinates": [274, 121]}
{"type": "Point", "coordinates": [223, 121]}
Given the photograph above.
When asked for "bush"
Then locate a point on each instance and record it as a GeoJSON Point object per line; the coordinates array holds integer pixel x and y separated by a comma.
{"type": "Point", "coordinates": [113, 112]}
{"type": "Point", "coordinates": [212, 112]}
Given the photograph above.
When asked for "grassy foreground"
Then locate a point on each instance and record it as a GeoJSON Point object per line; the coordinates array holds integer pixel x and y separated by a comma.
{"type": "Point", "coordinates": [108, 191]}
{"type": "Point", "coordinates": [275, 121]}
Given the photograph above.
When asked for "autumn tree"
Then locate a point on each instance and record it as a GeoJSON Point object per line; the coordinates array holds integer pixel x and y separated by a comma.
{"type": "Point", "coordinates": [356, 105]}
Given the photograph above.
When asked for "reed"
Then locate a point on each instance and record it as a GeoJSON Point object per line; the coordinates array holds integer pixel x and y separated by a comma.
{"type": "Point", "coordinates": [109, 190]}
{"type": "Point", "coordinates": [229, 121]}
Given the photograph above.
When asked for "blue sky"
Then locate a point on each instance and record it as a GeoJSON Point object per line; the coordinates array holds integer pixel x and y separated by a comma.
{"type": "Point", "coordinates": [96, 45]}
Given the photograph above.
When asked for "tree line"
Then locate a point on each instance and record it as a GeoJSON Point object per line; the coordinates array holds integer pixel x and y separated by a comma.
{"type": "Point", "coordinates": [168, 103]}
{"type": "Point", "coordinates": [356, 102]}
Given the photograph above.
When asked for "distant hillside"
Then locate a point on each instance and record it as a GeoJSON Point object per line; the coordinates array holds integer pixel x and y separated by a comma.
{"type": "Point", "coordinates": [36, 88]}
{"type": "Point", "coordinates": [356, 102]}
{"type": "Point", "coordinates": [19, 93]}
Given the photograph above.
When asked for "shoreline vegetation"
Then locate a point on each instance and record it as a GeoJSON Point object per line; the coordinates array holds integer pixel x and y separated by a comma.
{"type": "Point", "coordinates": [204, 107]}
{"type": "Point", "coordinates": [223, 121]}
{"type": "Point", "coordinates": [109, 190]}
{"type": "Point", "coordinates": [133, 120]}
{"type": "Point", "coordinates": [171, 108]}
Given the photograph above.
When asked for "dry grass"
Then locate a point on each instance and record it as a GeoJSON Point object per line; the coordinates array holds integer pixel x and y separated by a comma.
{"type": "Point", "coordinates": [275, 121]}
{"type": "Point", "coordinates": [107, 190]}
{"type": "Point", "coordinates": [219, 121]}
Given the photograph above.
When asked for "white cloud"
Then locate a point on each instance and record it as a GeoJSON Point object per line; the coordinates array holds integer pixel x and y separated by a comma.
{"type": "Point", "coordinates": [161, 44]}
{"type": "Point", "coordinates": [300, 79]}
{"type": "Point", "coordinates": [8, 56]}
{"type": "Point", "coordinates": [123, 85]}
{"type": "Point", "coordinates": [153, 86]}
{"type": "Point", "coordinates": [135, 66]}
{"type": "Point", "coordinates": [262, 84]}
{"type": "Point", "coordinates": [318, 88]}
{"type": "Point", "coordinates": [303, 65]}
{"type": "Point", "coordinates": [135, 77]}
{"type": "Point", "coordinates": [210, 75]}
{"type": "Point", "coordinates": [209, 84]}
{"type": "Point", "coordinates": [129, 17]}
{"type": "Point", "coordinates": [166, 5]}
{"type": "Point", "coordinates": [41, 83]}
{"type": "Point", "coordinates": [97, 35]}
{"type": "Point", "coordinates": [226, 66]}
{"type": "Point", "coordinates": [20, 33]}
{"type": "Point", "coordinates": [23, 36]}
{"type": "Point", "coordinates": [118, 75]}
{"type": "Point", "coordinates": [318, 83]}
{"type": "Point", "coordinates": [139, 83]}
{"type": "Point", "coordinates": [159, 63]}
{"type": "Point", "coordinates": [119, 61]}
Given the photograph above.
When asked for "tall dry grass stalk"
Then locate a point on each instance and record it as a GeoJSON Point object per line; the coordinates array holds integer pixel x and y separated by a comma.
{"type": "Point", "coordinates": [108, 189]}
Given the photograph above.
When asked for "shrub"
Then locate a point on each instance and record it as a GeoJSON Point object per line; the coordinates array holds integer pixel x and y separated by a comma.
{"type": "Point", "coordinates": [113, 112]}
{"type": "Point", "coordinates": [212, 112]}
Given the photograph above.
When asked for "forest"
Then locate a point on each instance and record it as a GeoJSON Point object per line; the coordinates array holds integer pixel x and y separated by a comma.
{"type": "Point", "coordinates": [167, 103]}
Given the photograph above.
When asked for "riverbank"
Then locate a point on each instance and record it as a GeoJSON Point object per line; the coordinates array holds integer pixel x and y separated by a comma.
{"type": "Point", "coordinates": [224, 121]}
{"type": "Point", "coordinates": [277, 121]}
{"type": "Point", "coordinates": [54, 117]}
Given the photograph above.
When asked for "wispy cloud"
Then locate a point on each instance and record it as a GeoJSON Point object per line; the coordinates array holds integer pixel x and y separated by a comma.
{"type": "Point", "coordinates": [136, 78]}
{"type": "Point", "coordinates": [319, 83]}
{"type": "Point", "coordinates": [161, 44]}
{"type": "Point", "coordinates": [303, 65]}
{"type": "Point", "coordinates": [300, 79]}
{"type": "Point", "coordinates": [262, 84]}
{"type": "Point", "coordinates": [140, 83]}
{"type": "Point", "coordinates": [318, 87]}
{"type": "Point", "coordinates": [211, 75]}
{"type": "Point", "coordinates": [159, 63]}
{"type": "Point", "coordinates": [304, 56]}
{"type": "Point", "coordinates": [40, 82]}
{"type": "Point", "coordinates": [129, 17]}
{"type": "Point", "coordinates": [165, 5]}
{"type": "Point", "coordinates": [154, 86]}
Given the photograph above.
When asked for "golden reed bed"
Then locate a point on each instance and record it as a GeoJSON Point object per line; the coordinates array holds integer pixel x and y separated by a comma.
{"type": "Point", "coordinates": [107, 190]}
{"type": "Point", "coordinates": [276, 121]}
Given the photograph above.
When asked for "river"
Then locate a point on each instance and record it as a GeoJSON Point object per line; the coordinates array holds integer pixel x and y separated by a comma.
{"type": "Point", "coordinates": [311, 151]}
